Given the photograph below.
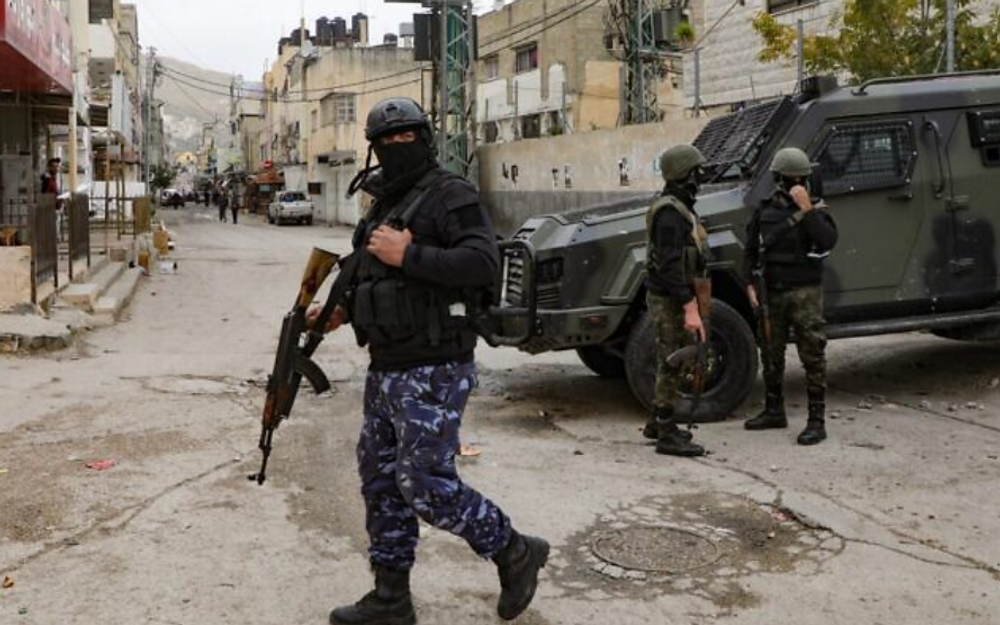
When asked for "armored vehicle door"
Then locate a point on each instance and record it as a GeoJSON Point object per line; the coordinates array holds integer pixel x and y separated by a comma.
{"type": "Point", "coordinates": [868, 167]}
{"type": "Point", "coordinates": [959, 263]}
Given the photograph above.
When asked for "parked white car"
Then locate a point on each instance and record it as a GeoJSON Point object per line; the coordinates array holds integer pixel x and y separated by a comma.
{"type": "Point", "coordinates": [291, 206]}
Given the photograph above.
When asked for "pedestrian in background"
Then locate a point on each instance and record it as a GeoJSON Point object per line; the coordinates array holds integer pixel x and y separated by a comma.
{"type": "Point", "coordinates": [234, 206]}
{"type": "Point", "coordinates": [223, 203]}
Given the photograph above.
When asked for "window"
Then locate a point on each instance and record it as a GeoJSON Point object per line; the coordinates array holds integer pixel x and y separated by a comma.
{"type": "Point", "coordinates": [346, 110]}
{"type": "Point", "coordinates": [492, 64]}
{"type": "Point", "coordinates": [861, 157]}
{"type": "Point", "coordinates": [491, 132]}
{"type": "Point", "coordinates": [531, 127]}
{"type": "Point", "coordinates": [338, 108]}
{"type": "Point", "coordinates": [314, 121]}
{"type": "Point", "coordinates": [776, 6]}
{"type": "Point", "coordinates": [526, 59]}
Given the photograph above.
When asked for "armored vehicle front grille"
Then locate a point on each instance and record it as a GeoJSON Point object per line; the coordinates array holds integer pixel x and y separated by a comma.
{"type": "Point", "coordinates": [549, 296]}
{"type": "Point", "coordinates": [514, 285]}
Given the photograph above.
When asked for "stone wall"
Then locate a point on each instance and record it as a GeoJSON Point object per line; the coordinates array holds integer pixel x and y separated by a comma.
{"type": "Point", "coordinates": [522, 179]}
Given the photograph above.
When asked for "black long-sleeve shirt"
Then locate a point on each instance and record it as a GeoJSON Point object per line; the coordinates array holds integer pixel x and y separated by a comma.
{"type": "Point", "coordinates": [671, 234]}
{"type": "Point", "coordinates": [816, 231]}
{"type": "Point", "coordinates": [464, 252]}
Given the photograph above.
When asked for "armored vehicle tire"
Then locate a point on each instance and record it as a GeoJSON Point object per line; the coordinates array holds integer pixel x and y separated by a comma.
{"type": "Point", "coordinates": [602, 362]}
{"type": "Point", "coordinates": [733, 359]}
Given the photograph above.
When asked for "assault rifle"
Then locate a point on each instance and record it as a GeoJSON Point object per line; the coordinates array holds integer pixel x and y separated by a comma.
{"type": "Point", "coordinates": [697, 355]}
{"type": "Point", "coordinates": [299, 341]}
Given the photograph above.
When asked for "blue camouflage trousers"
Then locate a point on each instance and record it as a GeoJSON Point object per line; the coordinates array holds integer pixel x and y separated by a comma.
{"type": "Point", "coordinates": [406, 458]}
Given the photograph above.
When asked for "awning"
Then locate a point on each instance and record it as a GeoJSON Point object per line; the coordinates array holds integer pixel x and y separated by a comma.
{"type": "Point", "coordinates": [35, 48]}
{"type": "Point", "coordinates": [336, 158]}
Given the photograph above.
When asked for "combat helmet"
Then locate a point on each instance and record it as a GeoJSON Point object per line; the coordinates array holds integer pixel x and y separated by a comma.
{"type": "Point", "coordinates": [678, 162]}
{"type": "Point", "coordinates": [791, 163]}
{"type": "Point", "coordinates": [397, 115]}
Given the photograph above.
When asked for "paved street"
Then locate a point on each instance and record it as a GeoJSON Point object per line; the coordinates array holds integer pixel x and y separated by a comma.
{"type": "Point", "coordinates": [894, 520]}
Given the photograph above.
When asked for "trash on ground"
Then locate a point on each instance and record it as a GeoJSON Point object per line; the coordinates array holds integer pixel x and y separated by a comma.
{"type": "Point", "coordinates": [101, 465]}
{"type": "Point", "coordinates": [4, 471]}
{"type": "Point", "coordinates": [8, 582]}
{"type": "Point", "coordinates": [167, 267]}
{"type": "Point", "coordinates": [468, 451]}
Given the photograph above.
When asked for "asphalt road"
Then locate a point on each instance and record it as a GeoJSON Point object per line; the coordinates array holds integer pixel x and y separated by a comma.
{"type": "Point", "coordinates": [893, 520]}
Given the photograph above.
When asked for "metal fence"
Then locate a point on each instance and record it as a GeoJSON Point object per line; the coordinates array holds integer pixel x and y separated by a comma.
{"type": "Point", "coordinates": [78, 217]}
{"type": "Point", "coordinates": [44, 241]}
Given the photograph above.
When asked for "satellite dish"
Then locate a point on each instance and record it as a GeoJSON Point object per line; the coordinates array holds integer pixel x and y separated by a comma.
{"type": "Point", "coordinates": [307, 48]}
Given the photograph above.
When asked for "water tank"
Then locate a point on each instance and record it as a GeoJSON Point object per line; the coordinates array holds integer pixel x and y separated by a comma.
{"type": "Point", "coordinates": [339, 26]}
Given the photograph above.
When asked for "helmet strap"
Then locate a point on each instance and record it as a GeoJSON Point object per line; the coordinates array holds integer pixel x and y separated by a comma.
{"type": "Point", "coordinates": [363, 175]}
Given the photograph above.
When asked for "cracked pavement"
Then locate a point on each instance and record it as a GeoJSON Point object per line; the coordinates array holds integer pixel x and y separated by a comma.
{"type": "Point", "coordinates": [893, 520]}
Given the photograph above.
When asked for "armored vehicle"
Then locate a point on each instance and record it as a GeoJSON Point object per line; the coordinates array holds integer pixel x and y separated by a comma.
{"type": "Point", "coordinates": [911, 172]}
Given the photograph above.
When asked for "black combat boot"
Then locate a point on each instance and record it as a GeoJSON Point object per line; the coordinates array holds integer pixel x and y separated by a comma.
{"type": "Point", "coordinates": [674, 441]}
{"type": "Point", "coordinates": [815, 432]}
{"type": "Point", "coordinates": [389, 604]}
{"type": "Point", "coordinates": [652, 429]}
{"type": "Point", "coordinates": [773, 416]}
{"type": "Point", "coordinates": [518, 565]}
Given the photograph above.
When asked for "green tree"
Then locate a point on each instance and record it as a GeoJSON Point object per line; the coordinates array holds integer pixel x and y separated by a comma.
{"type": "Point", "coordinates": [877, 38]}
{"type": "Point", "coordinates": [163, 176]}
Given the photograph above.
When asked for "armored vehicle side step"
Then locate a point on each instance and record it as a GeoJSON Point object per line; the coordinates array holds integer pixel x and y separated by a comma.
{"type": "Point", "coordinates": [940, 321]}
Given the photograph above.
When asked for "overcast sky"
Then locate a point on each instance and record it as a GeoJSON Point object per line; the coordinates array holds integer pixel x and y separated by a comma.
{"type": "Point", "coordinates": [239, 36]}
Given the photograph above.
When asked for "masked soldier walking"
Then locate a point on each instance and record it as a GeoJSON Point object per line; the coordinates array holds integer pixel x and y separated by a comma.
{"type": "Point", "coordinates": [677, 249]}
{"type": "Point", "coordinates": [788, 237]}
{"type": "Point", "coordinates": [428, 254]}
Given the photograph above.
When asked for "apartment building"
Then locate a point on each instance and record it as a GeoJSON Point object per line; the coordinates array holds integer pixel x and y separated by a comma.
{"type": "Point", "coordinates": [547, 67]}
{"type": "Point", "coordinates": [316, 99]}
{"type": "Point", "coordinates": [729, 70]}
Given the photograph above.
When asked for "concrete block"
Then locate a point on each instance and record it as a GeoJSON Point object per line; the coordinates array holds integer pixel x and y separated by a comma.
{"type": "Point", "coordinates": [82, 296]}
{"type": "Point", "coordinates": [118, 296]}
{"type": "Point", "coordinates": [15, 276]}
{"type": "Point", "coordinates": [32, 333]}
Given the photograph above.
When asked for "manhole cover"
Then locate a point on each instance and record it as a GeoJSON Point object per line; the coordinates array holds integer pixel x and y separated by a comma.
{"type": "Point", "coordinates": [655, 549]}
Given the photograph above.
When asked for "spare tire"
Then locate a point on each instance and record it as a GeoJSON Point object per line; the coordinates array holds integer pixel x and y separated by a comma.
{"type": "Point", "coordinates": [732, 358]}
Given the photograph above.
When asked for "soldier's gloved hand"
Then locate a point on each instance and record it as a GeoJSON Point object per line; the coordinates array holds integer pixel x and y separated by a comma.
{"type": "Point", "coordinates": [336, 320]}
{"type": "Point", "coordinates": [389, 245]}
{"type": "Point", "coordinates": [692, 320]}
{"type": "Point", "coordinates": [752, 294]}
{"type": "Point", "coordinates": [801, 197]}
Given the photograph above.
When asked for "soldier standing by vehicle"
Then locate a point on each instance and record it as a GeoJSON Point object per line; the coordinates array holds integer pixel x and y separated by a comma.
{"type": "Point", "coordinates": [677, 250]}
{"type": "Point", "coordinates": [788, 237]}
{"type": "Point", "coordinates": [428, 254]}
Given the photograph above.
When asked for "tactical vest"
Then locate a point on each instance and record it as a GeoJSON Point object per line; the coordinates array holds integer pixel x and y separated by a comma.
{"type": "Point", "coordinates": [396, 315]}
{"type": "Point", "coordinates": [695, 253]}
{"type": "Point", "coordinates": [785, 246]}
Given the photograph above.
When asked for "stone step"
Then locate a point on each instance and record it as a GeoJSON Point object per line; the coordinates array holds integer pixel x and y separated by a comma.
{"type": "Point", "coordinates": [110, 305]}
{"type": "Point", "coordinates": [85, 295]}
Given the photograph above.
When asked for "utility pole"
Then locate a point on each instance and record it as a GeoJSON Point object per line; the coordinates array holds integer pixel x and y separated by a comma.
{"type": "Point", "coordinates": [634, 21]}
{"type": "Point", "coordinates": [148, 117]}
{"type": "Point", "coordinates": [950, 9]}
{"type": "Point", "coordinates": [454, 83]}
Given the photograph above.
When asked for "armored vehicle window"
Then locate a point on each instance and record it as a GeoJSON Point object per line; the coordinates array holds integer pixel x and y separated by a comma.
{"type": "Point", "coordinates": [861, 157]}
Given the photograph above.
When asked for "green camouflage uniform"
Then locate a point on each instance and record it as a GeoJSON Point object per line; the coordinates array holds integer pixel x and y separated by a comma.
{"type": "Point", "coordinates": [677, 256]}
{"type": "Point", "coordinates": [799, 310]}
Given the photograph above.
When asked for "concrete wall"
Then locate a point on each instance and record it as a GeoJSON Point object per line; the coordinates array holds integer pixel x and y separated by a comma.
{"type": "Point", "coordinates": [15, 276]}
{"type": "Point", "coordinates": [526, 178]}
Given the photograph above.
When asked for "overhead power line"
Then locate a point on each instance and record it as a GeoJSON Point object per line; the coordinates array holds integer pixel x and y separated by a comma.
{"type": "Point", "coordinates": [287, 99]}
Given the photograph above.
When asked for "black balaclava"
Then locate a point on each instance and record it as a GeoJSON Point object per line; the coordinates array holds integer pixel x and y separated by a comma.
{"type": "Point", "coordinates": [398, 160]}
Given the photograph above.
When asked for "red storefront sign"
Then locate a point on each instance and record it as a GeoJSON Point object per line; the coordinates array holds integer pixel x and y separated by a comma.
{"type": "Point", "coordinates": [35, 48]}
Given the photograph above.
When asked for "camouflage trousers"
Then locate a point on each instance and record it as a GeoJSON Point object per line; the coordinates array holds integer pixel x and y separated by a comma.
{"type": "Point", "coordinates": [800, 310]}
{"type": "Point", "coordinates": [406, 458]}
{"type": "Point", "coordinates": [668, 322]}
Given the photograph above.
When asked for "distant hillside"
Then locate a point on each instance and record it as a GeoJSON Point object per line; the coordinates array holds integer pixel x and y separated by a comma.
{"type": "Point", "coordinates": [193, 96]}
